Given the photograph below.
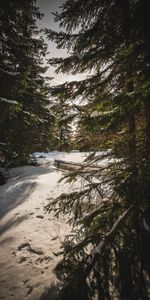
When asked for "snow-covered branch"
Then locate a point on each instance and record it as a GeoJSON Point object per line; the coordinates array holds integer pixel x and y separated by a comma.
{"type": "Point", "coordinates": [8, 101]}
{"type": "Point", "coordinates": [95, 254]}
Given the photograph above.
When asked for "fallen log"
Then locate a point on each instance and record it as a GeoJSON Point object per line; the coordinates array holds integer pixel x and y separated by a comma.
{"type": "Point", "coordinates": [69, 165]}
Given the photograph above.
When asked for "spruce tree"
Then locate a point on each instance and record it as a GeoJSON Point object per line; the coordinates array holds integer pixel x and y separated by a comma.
{"type": "Point", "coordinates": [9, 71]}
{"type": "Point", "coordinates": [107, 255]}
{"type": "Point", "coordinates": [27, 127]}
{"type": "Point", "coordinates": [62, 110]}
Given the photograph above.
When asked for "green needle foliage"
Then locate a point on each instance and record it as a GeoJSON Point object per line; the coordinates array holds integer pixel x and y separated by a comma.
{"type": "Point", "coordinates": [63, 117]}
{"type": "Point", "coordinates": [25, 118]}
{"type": "Point", "coordinates": [107, 254]}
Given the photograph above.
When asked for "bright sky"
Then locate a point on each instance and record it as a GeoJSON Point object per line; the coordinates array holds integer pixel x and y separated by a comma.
{"type": "Point", "coordinates": [47, 7]}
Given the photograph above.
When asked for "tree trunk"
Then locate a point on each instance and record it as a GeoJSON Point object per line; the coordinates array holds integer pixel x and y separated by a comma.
{"type": "Point", "coordinates": [131, 130]}
{"type": "Point", "coordinates": [147, 132]}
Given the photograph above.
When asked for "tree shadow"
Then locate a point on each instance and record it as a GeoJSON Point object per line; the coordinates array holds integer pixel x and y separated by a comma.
{"type": "Point", "coordinates": [7, 240]}
{"type": "Point", "coordinates": [12, 222]}
{"type": "Point", "coordinates": [19, 186]}
{"type": "Point", "coordinates": [15, 195]}
{"type": "Point", "coordinates": [50, 293]}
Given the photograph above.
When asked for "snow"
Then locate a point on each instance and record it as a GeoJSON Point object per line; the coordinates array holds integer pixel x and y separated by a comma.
{"type": "Point", "coordinates": [51, 156]}
{"type": "Point", "coordinates": [29, 235]}
{"type": "Point", "coordinates": [8, 101]}
{"type": "Point", "coordinates": [10, 73]}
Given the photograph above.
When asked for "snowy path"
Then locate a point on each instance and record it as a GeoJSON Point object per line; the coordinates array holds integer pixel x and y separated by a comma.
{"type": "Point", "coordinates": [29, 236]}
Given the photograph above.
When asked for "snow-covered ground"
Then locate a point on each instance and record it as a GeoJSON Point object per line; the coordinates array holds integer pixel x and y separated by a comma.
{"type": "Point", "coordinates": [73, 156]}
{"type": "Point", "coordinates": [29, 236]}
{"type": "Point", "coordinates": [51, 156]}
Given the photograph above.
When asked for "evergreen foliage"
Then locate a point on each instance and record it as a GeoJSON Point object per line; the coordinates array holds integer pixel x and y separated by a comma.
{"type": "Point", "coordinates": [24, 93]}
{"type": "Point", "coordinates": [107, 254]}
{"type": "Point", "coordinates": [63, 115]}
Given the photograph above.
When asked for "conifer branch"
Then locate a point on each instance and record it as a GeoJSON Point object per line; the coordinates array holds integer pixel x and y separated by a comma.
{"type": "Point", "coordinates": [96, 253]}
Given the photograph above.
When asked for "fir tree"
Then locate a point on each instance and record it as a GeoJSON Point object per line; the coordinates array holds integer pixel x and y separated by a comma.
{"type": "Point", "coordinates": [8, 69]}
{"type": "Point", "coordinates": [107, 254]}
{"type": "Point", "coordinates": [27, 127]}
{"type": "Point", "coordinates": [63, 115]}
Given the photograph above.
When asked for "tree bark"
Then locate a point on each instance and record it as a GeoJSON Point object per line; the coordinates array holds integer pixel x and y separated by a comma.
{"type": "Point", "coordinates": [147, 132]}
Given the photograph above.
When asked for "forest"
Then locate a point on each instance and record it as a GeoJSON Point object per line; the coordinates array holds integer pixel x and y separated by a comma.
{"type": "Point", "coordinates": [105, 113]}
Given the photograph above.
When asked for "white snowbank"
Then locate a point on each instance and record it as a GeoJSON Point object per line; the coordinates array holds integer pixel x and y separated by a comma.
{"type": "Point", "coordinates": [72, 156]}
{"type": "Point", "coordinates": [29, 236]}
{"type": "Point", "coordinates": [51, 156]}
